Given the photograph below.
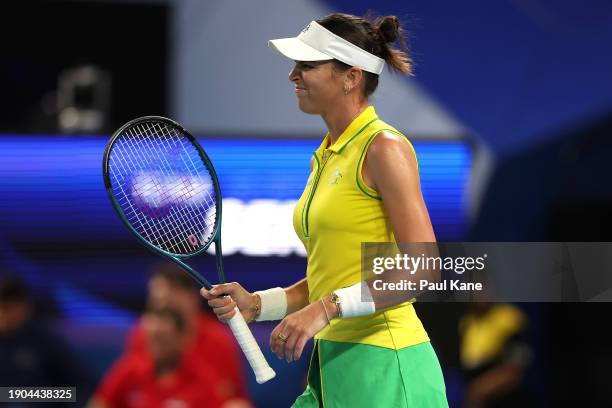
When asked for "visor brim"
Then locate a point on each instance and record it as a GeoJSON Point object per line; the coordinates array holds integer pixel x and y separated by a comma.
{"type": "Point", "coordinates": [293, 48]}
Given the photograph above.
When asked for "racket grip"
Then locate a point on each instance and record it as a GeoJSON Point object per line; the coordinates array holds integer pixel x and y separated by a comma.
{"type": "Point", "coordinates": [250, 348]}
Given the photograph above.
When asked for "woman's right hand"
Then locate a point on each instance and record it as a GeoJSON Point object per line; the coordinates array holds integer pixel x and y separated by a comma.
{"type": "Point", "coordinates": [224, 298]}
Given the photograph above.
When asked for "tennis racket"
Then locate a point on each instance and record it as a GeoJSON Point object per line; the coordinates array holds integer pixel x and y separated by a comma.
{"type": "Point", "coordinates": [165, 190]}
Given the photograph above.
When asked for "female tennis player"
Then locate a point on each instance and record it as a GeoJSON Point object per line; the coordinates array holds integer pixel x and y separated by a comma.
{"type": "Point", "coordinates": [363, 187]}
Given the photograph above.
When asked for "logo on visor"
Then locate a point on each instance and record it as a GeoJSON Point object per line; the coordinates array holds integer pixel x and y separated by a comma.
{"type": "Point", "coordinates": [306, 28]}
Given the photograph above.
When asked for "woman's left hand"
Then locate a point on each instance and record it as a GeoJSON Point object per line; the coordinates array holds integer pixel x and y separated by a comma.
{"type": "Point", "coordinates": [290, 336]}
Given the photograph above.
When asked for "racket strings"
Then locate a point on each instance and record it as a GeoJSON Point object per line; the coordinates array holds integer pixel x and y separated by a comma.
{"type": "Point", "coordinates": [163, 187]}
{"type": "Point", "coordinates": [168, 230]}
{"type": "Point", "coordinates": [198, 169]}
{"type": "Point", "coordinates": [161, 235]}
{"type": "Point", "coordinates": [166, 197]}
{"type": "Point", "coordinates": [141, 224]}
{"type": "Point", "coordinates": [185, 195]}
{"type": "Point", "coordinates": [180, 211]}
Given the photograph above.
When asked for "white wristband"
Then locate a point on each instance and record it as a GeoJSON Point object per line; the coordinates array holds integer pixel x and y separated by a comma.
{"type": "Point", "coordinates": [273, 304]}
{"type": "Point", "coordinates": [351, 304]}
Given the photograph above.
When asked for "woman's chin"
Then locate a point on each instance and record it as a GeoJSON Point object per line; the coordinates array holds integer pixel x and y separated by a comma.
{"type": "Point", "coordinates": [307, 108]}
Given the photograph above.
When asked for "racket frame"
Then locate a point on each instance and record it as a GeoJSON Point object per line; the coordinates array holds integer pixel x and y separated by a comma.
{"type": "Point", "coordinates": [216, 235]}
{"type": "Point", "coordinates": [248, 344]}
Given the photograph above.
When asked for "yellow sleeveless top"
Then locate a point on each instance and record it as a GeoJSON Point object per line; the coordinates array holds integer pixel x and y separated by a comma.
{"type": "Point", "coordinates": [334, 215]}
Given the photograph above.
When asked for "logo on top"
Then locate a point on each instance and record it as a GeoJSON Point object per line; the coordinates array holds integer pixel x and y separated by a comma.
{"type": "Point", "coordinates": [306, 28]}
{"type": "Point", "coordinates": [335, 178]}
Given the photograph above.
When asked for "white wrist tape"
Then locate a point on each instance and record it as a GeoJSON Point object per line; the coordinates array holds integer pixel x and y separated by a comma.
{"type": "Point", "coordinates": [351, 304]}
{"type": "Point", "coordinates": [273, 304]}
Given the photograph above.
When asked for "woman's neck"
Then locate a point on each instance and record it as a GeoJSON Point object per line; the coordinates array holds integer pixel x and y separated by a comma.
{"type": "Point", "coordinates": [337, 120]}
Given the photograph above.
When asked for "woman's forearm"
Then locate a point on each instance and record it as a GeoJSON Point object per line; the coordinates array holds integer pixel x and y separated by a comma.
{"type": "Point", "coordinates": [297, 296]}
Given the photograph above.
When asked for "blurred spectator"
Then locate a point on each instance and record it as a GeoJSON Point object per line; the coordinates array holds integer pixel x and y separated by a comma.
{"type": "Point", "coordinates": [209, 369]}
{"type": "Point", "coordinates": [31, 354]}
{"type": "Point", "coordinates": [162, 377]}
{"type": "Point", "coordinates": [494, 356]}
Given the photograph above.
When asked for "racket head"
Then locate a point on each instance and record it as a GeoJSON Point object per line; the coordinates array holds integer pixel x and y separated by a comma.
{"type": "Point", "coordinates": [163, 186]}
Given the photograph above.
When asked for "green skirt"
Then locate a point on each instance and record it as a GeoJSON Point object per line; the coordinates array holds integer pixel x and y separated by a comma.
{"type": "Point", "coordinates": [350, 375]}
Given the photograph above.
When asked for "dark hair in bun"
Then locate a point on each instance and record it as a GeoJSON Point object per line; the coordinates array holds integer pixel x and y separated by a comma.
{"type": "Point", "coordinates": [374, 36]}
{"type": "Point", "coordinates": [389, 28]}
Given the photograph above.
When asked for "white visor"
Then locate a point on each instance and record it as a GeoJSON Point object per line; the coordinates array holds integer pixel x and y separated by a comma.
{"type": "Point", "coordinates": [316, 43]}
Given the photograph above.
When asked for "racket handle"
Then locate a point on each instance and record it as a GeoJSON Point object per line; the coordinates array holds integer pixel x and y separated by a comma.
{"type": "Point", "coordinates": [250, 348]}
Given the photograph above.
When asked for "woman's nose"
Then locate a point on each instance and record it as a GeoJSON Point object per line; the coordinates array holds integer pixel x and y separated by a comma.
{"type": "Point", "coordinates": [294, 74]}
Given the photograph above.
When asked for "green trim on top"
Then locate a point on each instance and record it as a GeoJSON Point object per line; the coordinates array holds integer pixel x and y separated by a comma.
{"type": "Point", "coordinates": [313, 187]}
{"type": "Point", "coordinates": [307, 203]}
{"type": "Point", "coordinates": [357, 178]}
{"type": "Point", "coordinates": [362, 185]}
{"type": "Point", "coordinates": [356, 134]}
{"type": "Point", "coordinates": [320, 167]}
{"type": "Point", "coordinates": [409, 142]}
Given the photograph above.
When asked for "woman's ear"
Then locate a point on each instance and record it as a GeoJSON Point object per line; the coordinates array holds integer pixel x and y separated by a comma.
{"type": "Point", "coordinates": [353, 77]}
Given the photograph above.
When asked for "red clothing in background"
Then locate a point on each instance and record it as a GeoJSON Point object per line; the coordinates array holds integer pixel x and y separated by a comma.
{"type": "Point", "coordinates": [209, 374]}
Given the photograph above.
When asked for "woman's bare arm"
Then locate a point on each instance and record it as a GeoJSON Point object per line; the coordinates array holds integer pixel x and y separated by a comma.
{"type": "Point", "coordinates": [391, 167]}
{"type": "Point", "coordinates": [297, 296]}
